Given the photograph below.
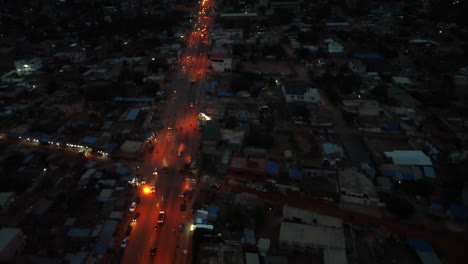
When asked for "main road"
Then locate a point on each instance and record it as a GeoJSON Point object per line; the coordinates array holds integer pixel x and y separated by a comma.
{"type": "Point", "coordinates": [180, 132]}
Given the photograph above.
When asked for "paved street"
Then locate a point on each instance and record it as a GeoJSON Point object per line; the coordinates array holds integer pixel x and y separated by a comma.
{"type": "Point", "coordinates": [180, 132]}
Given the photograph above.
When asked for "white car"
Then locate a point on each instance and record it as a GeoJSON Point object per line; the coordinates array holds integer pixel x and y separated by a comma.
{"type": "Point", "coordinates": [132, 207]}
{"type": "Point", "coordinates": [261, 189]}
{"type": "Point", "coordinates": [124, 243]}
{"type": "Point", "coordinates": [155, 171]}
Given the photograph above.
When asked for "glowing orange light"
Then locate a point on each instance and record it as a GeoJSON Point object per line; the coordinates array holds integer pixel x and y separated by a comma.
{"type": "Point", "coordinates": [146, 189]}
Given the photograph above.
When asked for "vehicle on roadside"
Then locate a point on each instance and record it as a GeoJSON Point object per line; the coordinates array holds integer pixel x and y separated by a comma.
{"type": "Point", "coordinates": [132, 207]}
{"type": "Point", "coordinates": [165, 169]}
{"type": "Point", "coordinates": [136, 216]}
{"type": "Point", "coordinates": [124, 243]}
{"type": "Point", "coordinates": [155, 171]}
{"type": "Point", "coordinates": [182, 207]}
{"type": "Point", "coordinates": [182, 194]}
{"type": "Point", "coordinates": [181, 227]}
{"type": "Point", "coordinates": [128, 231]}
{"type": "Point", "coordinates": [180, 153]}
{"type": "Point", "coordinates": [153, 251]}
{"type": "Point", "coordinates": [215, 186]}
{"type": "Point", "coordinates": [261, 189]}
{"type": "Point", "coordinates": [161, 217]}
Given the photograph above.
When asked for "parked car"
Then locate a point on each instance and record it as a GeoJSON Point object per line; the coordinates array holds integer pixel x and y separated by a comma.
{"type": "Point", "coordinates": [155, 171]}
{"type": "Point", "coordinates": [128, 231]}
{"type": "Point", "coordinates": [165, 169]}
{"type": "Point", "coordinates": [136, 216]}
{"type": "Point", "coordinates": [132, 207]}
{"type": "Point", "coordinates": [124, 243]}
{"type": "Point", "coordinates": [215, 185]}
{"type": "Point", "coordinates": [261, 189]}
{"type": "Point", "coordinates": [153, 251]}
{"type": "Point", "coordinates": [182, 207]}
{"type": "Point", "coordinates": [182, 194]}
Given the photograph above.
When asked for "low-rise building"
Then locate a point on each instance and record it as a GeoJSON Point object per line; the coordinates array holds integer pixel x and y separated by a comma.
{"type": "Point", "coordinates": [300, 92]}
{"type": "Point", "coordinates": [245, 168]}
{"type": "Point", "coordinates": [12, 243]}
{"type": "Point", "coordinates": [355, 187]}
{"type": "Point", "coordinates": [221, 62]}
{"type": "Point", "coordinates": [27, 67]}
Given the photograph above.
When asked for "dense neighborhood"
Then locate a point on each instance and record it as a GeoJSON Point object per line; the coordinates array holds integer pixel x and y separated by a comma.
{"type": "Point", "coordinates": [312, 131]}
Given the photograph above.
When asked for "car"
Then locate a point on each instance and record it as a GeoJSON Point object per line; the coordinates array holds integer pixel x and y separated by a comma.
{"type": "Point", "coordinates": [165, 169]}
{"type": "Point", "coordinates": [191, 105]}
{"type": "Point", "coordinates": [156, 228]}
{"type": "Point", "coordinates": [128, 231]}
{"type": "Point", "coordinates": [143, 180]}
{"type": "Point", "coordinates": [152, 189]}
{"type": "Point", "coordinates": [215, 185]}
{"type": "Point", "coordinates": [161, 217]}
{"type": "Point", "coordinates": [169, 127]}
{"type": "Point", "coordinates": [180, 153]}
{"type": "Point", "coordinates": [136, 216]}
{"type": "Point", "coordinates": [182, 207]}
{"type": "Point", "coordinates": [182, 194]}
{"type": "Point", "coordinates": [124, 243]}
{"type": "Point", "coordinates": [153, 251]}
{"type": "Point", "coordinates": [186, 107]}
{"type": "Point", "coordinates": [181, 227]}
{"type": "Point", "coordinates": [155, 171]}
{"type": "Point", "coordinates": [261, 189]}
{"type": "Point", "coordinates": [132, 207]}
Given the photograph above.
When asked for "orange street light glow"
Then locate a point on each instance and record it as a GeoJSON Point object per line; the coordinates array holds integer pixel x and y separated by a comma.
{"type": "Point", "coordinates": [146, 190]}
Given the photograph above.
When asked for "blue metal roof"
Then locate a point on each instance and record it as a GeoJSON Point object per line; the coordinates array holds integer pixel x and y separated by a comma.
{"type": "Point", "coordinates": [213, 210]}
{"type": "Point", "coordinates": [15, 135]}
{"type": "Point", "coordinates": [149, 133]}
{"type": "Point", "coordinates": [436, 206]}
{"type": "Point", "coordinates": [122, 170]}
{"type": "Point", "coordinates": [28, 158]}
{"type": "Point", "coordinates": [330, 148]}
{"type": "Point", "coordinates": [419, 244]}
{"type": "Point", "coordinates": [429, 172]}
{"type": "Point", "coordinates": [89, 140]}
{"type": "Point", "coordinates": [272, 167]}
{"type": "Point", "coordinates": [367, 55]}
{"type": "Point", "coordinates": [108, 229]}
{"type": "Point", "coordinates": [100, 249]}
{"type": "Point", "coordinates": [459, 211]}
{"type": "Point", "coordinates": [111, 147]}
{"type": "Point", "coordinates": [79, 232]}
{"type": "Point", "coordinates": [228, 95]}
{"type": "Point", "coordinates": [132, 115]}
{"type": "Point", "coordinates": [295, 173]}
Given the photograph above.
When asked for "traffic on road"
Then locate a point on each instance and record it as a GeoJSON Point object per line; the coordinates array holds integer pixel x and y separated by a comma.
{"type": "Point", "coordinates": [157, 232]}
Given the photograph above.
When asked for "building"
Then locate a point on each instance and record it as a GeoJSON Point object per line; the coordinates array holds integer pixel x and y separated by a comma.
{"type": "Point", "coordinates": [234, 139]}
{"type": "Point", "coordinates": [221, 62]}
{"type": "Point", "coordinates": [210, 139]}
{"type": "Point", "coordinates": [245, 112]}
{"type": "Point", "coordinates": [404, 82]}
{"type": "Point", "coordinates": [334, 47]}
{"type": "Point", "coordinates": [409, 157]}
{"type": "Point", "coordinates": [6, 199]}
{"type": "Point", "coordinates": [300, 92]}
{"type": "Point", "coordinates": [245, 168]}
{"type": "Point", "coordinates": [362, 107]}
{"type": "Point", "coordinates": [355, 187]}
{"type": "Point", "coordinates": [356, 66]}
{"type": "Point", "coordinates": [27, 67]}
{"type": "Point", "coordinates": [310, 238]}
{"type": "Point", "coordinates": [12, 243]}
{"type": "Point", "coordinates": [338, 26]}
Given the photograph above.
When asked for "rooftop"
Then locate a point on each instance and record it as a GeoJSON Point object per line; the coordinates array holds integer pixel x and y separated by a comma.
{"type": "Point", "coordinates": [409, 157]}
{"type": "Point", "coordinates": [312, 235]}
